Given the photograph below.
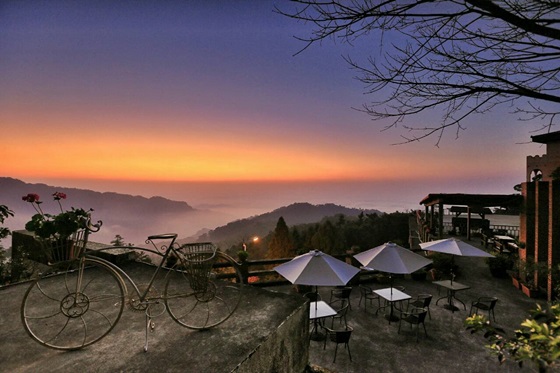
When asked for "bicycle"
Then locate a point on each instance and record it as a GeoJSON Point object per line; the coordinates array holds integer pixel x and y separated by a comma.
{"type": "Point", "coordinates": [81, 299]}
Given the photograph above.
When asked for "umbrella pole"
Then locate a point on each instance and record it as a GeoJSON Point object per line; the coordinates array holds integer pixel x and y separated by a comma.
{"type": "Point", "coordinates": [452, 265]}
{"type": "Point", "coordinates": [316, 321]}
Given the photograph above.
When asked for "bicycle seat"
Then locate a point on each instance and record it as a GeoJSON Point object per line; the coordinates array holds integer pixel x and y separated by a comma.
{"type": "Point", "coordinates": [165, 236]}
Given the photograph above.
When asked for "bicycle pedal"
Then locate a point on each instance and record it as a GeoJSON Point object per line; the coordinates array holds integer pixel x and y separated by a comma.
{"type": "Point", "coordinates": [152, 326]}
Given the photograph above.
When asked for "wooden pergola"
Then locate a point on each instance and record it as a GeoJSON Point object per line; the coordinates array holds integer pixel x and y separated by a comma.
{"type": "Point", "coordinates": [473, 203]}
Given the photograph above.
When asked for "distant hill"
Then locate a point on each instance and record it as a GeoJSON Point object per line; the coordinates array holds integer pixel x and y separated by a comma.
{"type": "Point", "coordinates": [133, 217]}
{"type": "Point", "coordinates": [14, 189]}
{"type": "Point", "coordinates": [136, 217]}
{"type": "Point", "coordinates": [294, 214]}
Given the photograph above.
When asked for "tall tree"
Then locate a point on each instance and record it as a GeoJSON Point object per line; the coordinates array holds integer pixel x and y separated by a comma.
{"type": "Point", "coordinates": [118, 241]}
{"type": "Point", "coordinates": [280, 245]}
{"type": "Point", "coordinates": [461, 57]}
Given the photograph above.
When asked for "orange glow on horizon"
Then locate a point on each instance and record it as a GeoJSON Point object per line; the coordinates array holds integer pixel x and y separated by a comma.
{"type": "Point", "coordinates": [201, 151]}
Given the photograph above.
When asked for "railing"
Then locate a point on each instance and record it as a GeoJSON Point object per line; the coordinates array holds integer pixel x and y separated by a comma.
{"type": "Point", "coordinates": [508, 230]}
{"type": "Point", "coordinates": [254, 272]}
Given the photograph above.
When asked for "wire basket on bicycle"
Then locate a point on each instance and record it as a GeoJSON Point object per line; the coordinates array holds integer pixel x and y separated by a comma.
{"type": "Point", "coordinates": [62, 249]}
{"type": "Point", "coordinates": [199, 259]}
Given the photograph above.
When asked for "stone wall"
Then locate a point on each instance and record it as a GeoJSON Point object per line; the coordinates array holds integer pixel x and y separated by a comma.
{"type": "Point", "coordinates": [284, 351]}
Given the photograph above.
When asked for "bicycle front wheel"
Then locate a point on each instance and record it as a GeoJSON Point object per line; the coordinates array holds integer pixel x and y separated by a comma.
{"type": "Point", "coordinates": [75, 307]}
{"type": "Point", "coordinates": [204, 306]}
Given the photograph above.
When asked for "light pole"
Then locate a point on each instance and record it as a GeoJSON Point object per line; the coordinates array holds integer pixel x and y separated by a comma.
{"type": "Point", "coordinates": [253, 239]}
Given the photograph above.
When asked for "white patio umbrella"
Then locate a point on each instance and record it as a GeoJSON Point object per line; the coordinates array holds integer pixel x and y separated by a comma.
{"type": "Point", "coordinates": [454, 247]}
{"type": "Point", "coordinates": [392, 258]}
{"type": "Point", "coordinates": [316, 268]}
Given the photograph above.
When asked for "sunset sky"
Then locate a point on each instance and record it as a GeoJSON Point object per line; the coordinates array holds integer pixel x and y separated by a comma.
{"type": "Point", "coordinates": [212, 91]}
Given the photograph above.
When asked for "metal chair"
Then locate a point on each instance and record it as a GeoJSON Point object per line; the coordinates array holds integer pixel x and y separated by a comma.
{"type": "Point", "coordinates": [485, 304]}
{"type": "Point", "coordinates": [416, 317]}
{"type": "Point", "coordinates": [423, 301]}
{"type": "Point", "coordinates": [342, 293]}
{"type": "Point", "coordinates": [341, 308]}
{"type": "Point", "coordinates": [338, 337]}
{"type": "Point", "coordinates": [367, 294]}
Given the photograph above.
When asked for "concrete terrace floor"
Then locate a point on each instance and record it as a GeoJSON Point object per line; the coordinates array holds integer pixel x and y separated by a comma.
{"type": "Point", "coordinates": [377, 347]}
{"type": "Point", "coordinates": [172, 348]}
{"type": "Point", "coordinates": [375, 344]}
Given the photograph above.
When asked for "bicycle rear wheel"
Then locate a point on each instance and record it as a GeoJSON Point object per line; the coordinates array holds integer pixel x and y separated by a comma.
{"type": "Point", "coordinates": [202, 307]}
{"type": "Point", "coordinates": [75, 307]}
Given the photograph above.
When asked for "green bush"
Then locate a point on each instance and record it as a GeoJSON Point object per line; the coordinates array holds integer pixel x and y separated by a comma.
{"type": "Point", "coordinates": [242, 255]}
{"type": "Point", "coordinates": [500, 265]}
{"type": "Point", "coordinates": [444, 264]}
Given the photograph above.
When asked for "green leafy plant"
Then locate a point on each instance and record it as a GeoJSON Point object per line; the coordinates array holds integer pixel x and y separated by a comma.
{"type": "Point", "coordinates": [242, 255]}
{"type": "Point", "coordinates": [444, 264]}
{"type": "Point", "coordinates": [538, 339]}
{"type": "Point", "coordinates": [500, 265]}
{"type": "Point", "coordinates": [5, 213]}
{"type": "Point", "coordinates": [59, 226]}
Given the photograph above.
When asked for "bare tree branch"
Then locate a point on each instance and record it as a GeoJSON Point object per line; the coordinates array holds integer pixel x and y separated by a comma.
{"type": "Point", "coordinates": [462, 57]}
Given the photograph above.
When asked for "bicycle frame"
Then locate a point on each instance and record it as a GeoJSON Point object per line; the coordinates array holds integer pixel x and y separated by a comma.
{"type": "Point", "coordinates": [166, 249]}
{"type": "Point", "coordinates": [76, 306]}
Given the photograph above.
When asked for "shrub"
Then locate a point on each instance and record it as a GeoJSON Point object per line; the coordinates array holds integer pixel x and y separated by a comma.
{"type": "Point", "coordinates": [500, 265]}
{"type": "Point", "coordinates": [444, 263]}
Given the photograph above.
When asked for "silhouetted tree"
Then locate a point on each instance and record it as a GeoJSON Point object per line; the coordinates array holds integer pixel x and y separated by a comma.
{"type": "Point", "coordinates": [280, 245]}
{"type": "Point", "coordinates": [326, 238]}
{"type": "Point", "coordinates": [460, 57]}
{"type": "Point", "coordinates": [118, 241]}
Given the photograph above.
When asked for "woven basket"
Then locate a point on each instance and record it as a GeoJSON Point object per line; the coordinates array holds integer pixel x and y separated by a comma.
{"type": "Point", "coordinates": [199, 258]}
{"type": "Point", "coordinates": [64, 249]}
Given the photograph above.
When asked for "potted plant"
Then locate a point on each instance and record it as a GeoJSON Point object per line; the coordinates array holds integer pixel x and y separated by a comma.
{"type": "Point", "coordinates": [526, 270]}
{"type": "Point", "coordinates": [500, 265]}
{"type": "Point", "coordinates": [515, 272]}
{"type": "Point", "coordinates": [242, 255]}
{"type": "Point", "coordinates": [55, 231]}
{"type": "Point", "coordinates": [443, 266]}
{"type": "Point", "coordinates": [528, 288]}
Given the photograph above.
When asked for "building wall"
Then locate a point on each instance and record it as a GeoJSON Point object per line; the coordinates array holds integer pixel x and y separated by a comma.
{"type": "Point", "coordinates": [546, 163]}
{"type": "Point", "coordinates": [540, 228]}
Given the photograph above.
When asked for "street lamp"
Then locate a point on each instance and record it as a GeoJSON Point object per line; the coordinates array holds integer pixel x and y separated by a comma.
{"type": "Point", "coordinates": [253, 239]}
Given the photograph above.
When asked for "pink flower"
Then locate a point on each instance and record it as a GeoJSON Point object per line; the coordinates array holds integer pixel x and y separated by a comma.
{"type": "Point", "coordinates": [31, 197]}
{"type": "Point", "coordinates": [59, 195]}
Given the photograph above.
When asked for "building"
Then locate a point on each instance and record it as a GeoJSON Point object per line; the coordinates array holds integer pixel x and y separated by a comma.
{"type": "Point", "coordinates": [540, 214]}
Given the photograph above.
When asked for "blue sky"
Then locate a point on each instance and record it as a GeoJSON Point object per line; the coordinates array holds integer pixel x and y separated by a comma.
{"type": "Point", "coordinates": [211, 91]}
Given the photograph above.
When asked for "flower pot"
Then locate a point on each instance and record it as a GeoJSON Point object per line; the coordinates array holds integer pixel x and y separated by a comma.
{"type": "Point", "coordinates": [531, 293]}
{"type": "Point", "coordinates": [436, 275]}
{"type": "Point", "coordinates": [515, 282]}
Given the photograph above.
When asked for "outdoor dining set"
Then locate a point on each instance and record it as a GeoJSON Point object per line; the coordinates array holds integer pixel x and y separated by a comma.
{"type": "Point", "coordinates": [328, 318]}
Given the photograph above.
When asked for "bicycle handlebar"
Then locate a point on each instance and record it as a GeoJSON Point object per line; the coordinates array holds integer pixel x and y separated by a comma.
{"type": "Point", "coordinates": [164, 236]}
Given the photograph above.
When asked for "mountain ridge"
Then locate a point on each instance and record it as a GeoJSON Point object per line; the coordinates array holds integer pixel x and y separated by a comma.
{"type": "Point", "coordinates": [293, 214]}
{"type": "Point", "coordinates": [136, 217]}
